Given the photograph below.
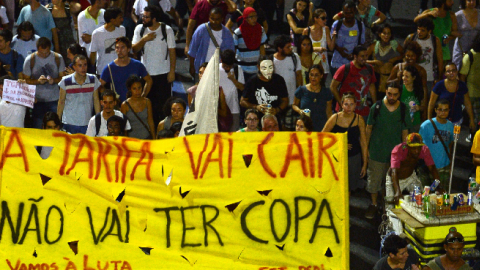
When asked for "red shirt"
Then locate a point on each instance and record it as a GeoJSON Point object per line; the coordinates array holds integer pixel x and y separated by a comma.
{"type": "Point", "coordinates": [201, 11]}
{"type": "Point", "coordinates": [358, 82]}
{"type": "Point", "coordinates": [400, 152]}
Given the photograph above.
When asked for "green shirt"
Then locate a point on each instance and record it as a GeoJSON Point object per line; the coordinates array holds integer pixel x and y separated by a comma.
{"type": "Point", "coordinates": [386, 132]}
{"type": "Point", "coordinates": [443, 26]}
{"type": "Point", "coordinates": [407, 98]}
{"type": "Point", "coordinates": [473, 74]}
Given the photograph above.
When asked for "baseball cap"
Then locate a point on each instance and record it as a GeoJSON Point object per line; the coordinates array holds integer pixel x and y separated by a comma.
{"type": "Point", "coordinates": [414, 140]}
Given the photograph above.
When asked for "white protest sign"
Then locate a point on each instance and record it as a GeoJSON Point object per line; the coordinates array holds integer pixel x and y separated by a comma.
{"type": "Point", "coordinates": [19, 93]}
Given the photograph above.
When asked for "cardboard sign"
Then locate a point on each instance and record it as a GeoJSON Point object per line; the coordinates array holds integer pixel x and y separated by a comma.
{"type": "Point", "coordinates": [19, 93]}
{"type": "Point", "coordinates": [252, 200]}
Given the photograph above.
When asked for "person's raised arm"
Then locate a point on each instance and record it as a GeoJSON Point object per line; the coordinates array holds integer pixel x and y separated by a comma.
{"type": "Point", "coordinates": [433, 170]}
{"type": "Point", "coordinates": [231, 6]}
{"type": "Point", "coordinates": [381, 18]}
{"type": "Point", "coordinates": [293, 25]}
{"type": "Point", "coordinates": [426, 14]}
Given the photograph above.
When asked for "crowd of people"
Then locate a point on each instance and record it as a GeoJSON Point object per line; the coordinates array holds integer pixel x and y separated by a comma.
{"type": "Point", "coordinates": [106, 68]}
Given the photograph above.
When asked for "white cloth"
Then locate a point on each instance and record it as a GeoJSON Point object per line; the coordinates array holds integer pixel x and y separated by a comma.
{"type": "Point", "coordinates": [87, 26]}
{"type": "Point", "coordinates": [103, 43]}
{"type": "Point", "coordinates": [407, 183]}
{"type": "Point", "coordinates": [92, 129]}
{"type": "Point", "coordinates": [427, 58]}
{"type": "Point", "coordinates": [25, 48]}
{"type": "Point", "coordinates": [12, 115]}
{"type": "Point", "coordinates": [286, 69]}
{"type": "Point", "coordinates": [211, 46]}
{"type": "Point", "coordinates": [156, 50]}
{"type": "Point", "coordinates": [3, 15]}
{"type": "Point", "coordinates": [202, 115]}
{"type": "Point", "coordinates": [230, 90]}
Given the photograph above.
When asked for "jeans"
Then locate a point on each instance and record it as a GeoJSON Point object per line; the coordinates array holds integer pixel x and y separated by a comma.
{"type": "Point", "coordinates": [40, 109]}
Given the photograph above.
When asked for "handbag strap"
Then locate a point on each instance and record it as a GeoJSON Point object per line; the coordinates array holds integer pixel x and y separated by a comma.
{"type": "Point", "coordinates": [138, 117]}
{"type": "Point", "coordinates": [212, 37]}
{"type": "Point", "coordinates": [440, 137]}
{"type": "Point", "coordinates": [351, 123]}
{"type": "Point", "coordinates": [113, 84]}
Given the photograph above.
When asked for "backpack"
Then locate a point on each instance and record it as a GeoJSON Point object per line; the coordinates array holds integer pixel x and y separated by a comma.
{"type": "Point", "coordinates": [294, 59]}
{"type": "Point", "coordinates": [378, 104]}
{"type": "Point", "coordinates": [67, 10]}
{"type": "Point", "coordinates": [347, 70]}
{"type": "Point", "coordinates": [163, 27]}
{"type": "Point", "coordinates": [57, 60]}
{"type": "Point", "coordinates": [98, 122]}
{"type": "Point", "coordinates": [360, 29]}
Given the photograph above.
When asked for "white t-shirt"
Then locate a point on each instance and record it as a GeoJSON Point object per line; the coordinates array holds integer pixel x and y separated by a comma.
{"type": "Point", "coordinates": [3, 15]}
{"type": "Point", "coordinates": [25, 48]}
{"type": "Point", "coordinates": [426, 60]}
{"type": "Point", "coordinates": [12, 115]}
{"type": "Point", "coordinates": [92, 129]}
{"type": "Point", "coordinates": [155, 50]}
{"type": "Point", "coordinates": [211, 46]}
{"type": "Point", "coordinates": [230, 90]}
{"type": "Point", "coordinates": [285, 68]}
{"type": "Point", "coordinates": [103, 43]}
{"type": "Point", "coordinates": [140, 5]}
{"type": "Point", "coordinates": [88, 25]}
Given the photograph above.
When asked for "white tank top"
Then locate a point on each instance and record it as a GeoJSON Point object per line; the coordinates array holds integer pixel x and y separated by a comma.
{"type": "Point", "coordinates": [427, 58]}
{"type": "Point", "coordinates": [321, 43]}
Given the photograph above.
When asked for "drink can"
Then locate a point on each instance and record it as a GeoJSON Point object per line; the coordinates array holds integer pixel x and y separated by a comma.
{"type": "Point", "coordinates": [461, 199]}
{"type": "Point", "coordinates": [446, 199]}
{"type": "Point", "coordinates": [412, 196]}
{"type": "Point", "coordinates": [416, 190]}
{"type": "Point", "coordinates": [307, 112]}
{"type": "Point", "coordinates": [426, 191]}
{"type": "Point", "coordinates": [434, 185]}
{"type": "Point", "coordinates": [418, 198]}
{"type": "Point", "coordinates": [469, 201]}
{"type": "Point", "coordinates": [472, 184]}
{"type": "Point", "coordinates": [444, 37]}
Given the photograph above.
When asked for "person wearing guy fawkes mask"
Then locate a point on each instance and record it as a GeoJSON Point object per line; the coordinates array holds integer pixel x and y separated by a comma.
{"type": "Point", "coordinates": [265, 89]}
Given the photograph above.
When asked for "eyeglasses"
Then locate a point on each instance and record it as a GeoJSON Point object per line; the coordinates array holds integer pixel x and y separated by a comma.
{"type": "Point", "coordinates": [455, 240]}
{"type": "Point", "coordinates": [251, 119]}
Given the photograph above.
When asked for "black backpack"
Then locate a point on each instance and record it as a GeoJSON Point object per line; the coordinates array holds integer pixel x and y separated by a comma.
{"type": "Point", "coordinates": [378, 104]}
{"type": "Point", "coordinates": [163, 27]}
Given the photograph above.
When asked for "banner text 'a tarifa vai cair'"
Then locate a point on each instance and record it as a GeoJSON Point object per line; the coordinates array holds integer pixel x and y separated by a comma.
{"type": "Point", "coordinates": [219, 201]}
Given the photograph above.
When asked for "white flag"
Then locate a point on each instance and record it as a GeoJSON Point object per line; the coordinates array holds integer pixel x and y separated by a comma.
{"type": "Point", "coordinates": [202, 114]}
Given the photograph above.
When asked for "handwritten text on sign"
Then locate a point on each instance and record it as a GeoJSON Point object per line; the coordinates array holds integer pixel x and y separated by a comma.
{"type": "Point", "coordinates": [285, 209]}
{"type": "Point", "coordinates": [19, 93]}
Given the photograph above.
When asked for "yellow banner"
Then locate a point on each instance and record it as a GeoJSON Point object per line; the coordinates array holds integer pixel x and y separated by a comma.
{"type": "Point", "coordinates": [219, 201]}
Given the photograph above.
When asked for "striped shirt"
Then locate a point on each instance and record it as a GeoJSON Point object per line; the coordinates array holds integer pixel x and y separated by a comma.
{"type": "Point", "coordinates": [78, 100]}
{"type": "Point", "coordinates": [247, 59]}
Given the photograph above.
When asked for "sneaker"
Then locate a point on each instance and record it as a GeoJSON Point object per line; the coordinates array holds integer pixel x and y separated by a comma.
{"type": "Point", "coordinates": [371, 211]}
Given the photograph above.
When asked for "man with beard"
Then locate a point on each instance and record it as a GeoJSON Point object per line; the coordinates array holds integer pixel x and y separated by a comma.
{"type": "Point", "coordinates": [402, 173]}
{"type": "Point", "coordinates": [350, 33]}
{"type": "Point", "coordinates": [452, 260]}
{"type": "Point", "coordinates": [265, 89]}
{"type": "Point", "coordinates": [445, 23]}
{"type": "Point", "coordinates": [431, 59]}
{"type": "Point", "coordinates": [386, 127]}
{"type": "Point", "coordinates": [356, 77]}
{"type": "Point", "coordinates": [158, 56]}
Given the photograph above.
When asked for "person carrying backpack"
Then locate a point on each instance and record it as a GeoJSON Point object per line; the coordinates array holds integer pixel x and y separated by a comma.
{"type": "Point", "coordinates": [387, 126]}
{"type": "Point", "coordinates": [350, 33]}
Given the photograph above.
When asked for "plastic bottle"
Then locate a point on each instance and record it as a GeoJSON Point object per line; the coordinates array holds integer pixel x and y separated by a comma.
{"type": "Point", "coordinates": [412, 110]}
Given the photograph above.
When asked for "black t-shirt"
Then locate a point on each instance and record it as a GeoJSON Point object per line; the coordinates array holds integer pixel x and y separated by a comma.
{"type": "Point", "coordinates": [261, 92]}
{"type": "Point", "coordinates": [382, 264]}
{"type": "Point", "coordinates": [237, 14]}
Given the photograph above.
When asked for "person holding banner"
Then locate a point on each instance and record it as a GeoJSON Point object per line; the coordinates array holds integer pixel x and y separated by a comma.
{"type": "Point", "coordinates": [11, 115]}
{"type": "Point", "coordinates": [78, 96]}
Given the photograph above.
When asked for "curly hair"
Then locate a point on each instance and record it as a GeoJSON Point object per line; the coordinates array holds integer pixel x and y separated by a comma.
{"type": "Point", "coordinates": [415, 48]}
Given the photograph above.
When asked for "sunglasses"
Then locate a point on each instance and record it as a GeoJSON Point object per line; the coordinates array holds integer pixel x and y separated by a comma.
{"type": "Point", "coordinates": [455, 240]}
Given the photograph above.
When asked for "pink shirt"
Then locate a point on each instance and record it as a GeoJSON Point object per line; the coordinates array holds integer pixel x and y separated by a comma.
{"type": "Point", "coordinates": [399, 154]}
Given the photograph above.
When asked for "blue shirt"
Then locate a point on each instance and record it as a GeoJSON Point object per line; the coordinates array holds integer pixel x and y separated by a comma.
{"type": "Point", "coordinates": [247, 59]}
{"type": "Point", "coordinates": [456, 99]}
{"type": "Point", "coordinates": [433, 142]}
{"type": "Point", "coordinates": [121, 74]}
{"type": "Point", "coordinates": [348, 39]}
{"type": "Point", "coordinates": [7, 59]}
{"type": "Point", "coordinates": [201, 39]}
{"type": "Point", "coordinates": [41, 19]}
